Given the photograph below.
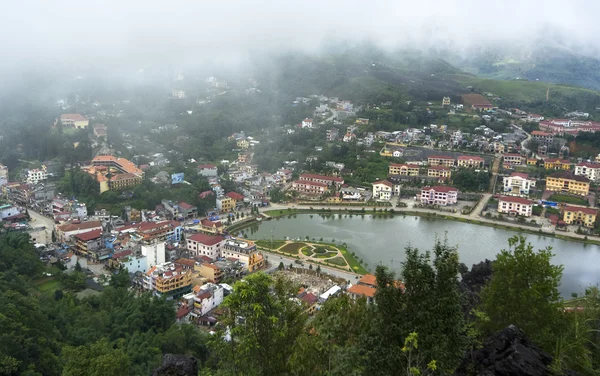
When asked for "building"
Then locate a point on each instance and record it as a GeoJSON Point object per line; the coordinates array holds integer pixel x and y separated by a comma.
{"type": "Point", "coordinates": [242, 143]}
{"type": "Point", "coordinates": [568, 183]}
{"type": "Point", "coordinates": [440, 161]}
{"type": "Point", "coordinates": [243, 251]}
{"type": "Point", "coordinates": [205, 245]}
{"type": "Point", "coordinates": [577, 215]}
{"type": "Point", "coordinates": [212, 272]}
{"type": "Point", "coordinates": [446, 101]}
{"type": "Point", "coordinates": [211, 227]}
{"type": "Point", "coordinates": [236, 197]}
{"type": "Point", "coordinates": [332, 134]}
{"type": "Point", "coordinates": [482, 107]}
{"type": "Point", "coordinates": [439, 195]}
{"type": "Point", "coordinates": [208, 170]}
{"type": "Point", "coordinates": [515, 206]}
{"type": "Point", "coordinates": [509, 160]}
{"type": "Point", "coordinates": [186, 210]}
{"type": "Point", "coordinates": [7, 211]}
{"type": "Point", "coordinates": [114, 173]}
{"type": "Point", "coordinates": [154, 252]}
{"type": "Point", "coordinates": [66, 231]}
{"type": "Point", "coordinates": [127, 260]}
{"type": "Point", "coordinates": [557, 164]}
{"type": "Point", "coordinates": [178, 94]}
{"type": "Point", "coordinates": [225, 204]}
{"type": "Point", "coordinates": [329, 180]}
{"type": "Point", "coordinates": [76, 121]}
{"type": "Point", "coordinates": [535, 118]}
{"type": "Point", "coordinates": [209, 297]}
{"type": "Point", "coordinates": [86, 242]}
{"type": "Point", "coordinates": [383, 190]}
{"type": "Point", "coordinates": [403, 169]}
{"type": "Point", "coordinates": [37, 175]}
{"type": "Point", "coordinates": [168, 280]}
{"type": "Point", "coordinates": [100, 131]}
{"type": "Point", "coordinates": [589, 170]}
{"type": "Point", "coordinates": [309, 187]}
{"type": "Point", "coordinates": [365, 288]}
{"type": "Point", "coordinates": [470, 161]}
{"type": "Point", "coordinates": [517, 184]}
{"type": "Point", "coordinates": [307, 123]}
{"type": "Point", "coordinates": [3, 175]}
{"type": "Point", "coordinates": [439, 172]}
{"type": "Point", "coordinates": [544, 138]}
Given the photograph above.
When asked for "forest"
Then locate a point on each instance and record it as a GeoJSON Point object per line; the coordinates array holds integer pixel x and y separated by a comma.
{"type": "Point", "coordinates": [429, 324]}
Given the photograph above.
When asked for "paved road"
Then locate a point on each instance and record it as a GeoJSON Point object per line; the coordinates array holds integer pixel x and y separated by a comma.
{"type": "Point", "coordinates": [38, 220]}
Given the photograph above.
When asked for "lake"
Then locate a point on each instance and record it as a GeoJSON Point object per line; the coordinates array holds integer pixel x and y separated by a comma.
{"type": "Point", "coordinates": [383, 240]}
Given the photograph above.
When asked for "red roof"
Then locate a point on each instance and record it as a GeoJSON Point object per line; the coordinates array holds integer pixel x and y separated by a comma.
{"type": "Point", "coordinates": [321, 177]}
{"type": "Point", "coordinates": [384, 182]}
{"type": "Point", "coordinates": [118, 255]}
{"type": "Point", "coordinates": [581, 209]}
{"type": "Point", "coordinates": [470, 157]}
{"type": "Point", "coordinates": [207, 166]}
{"type": "Point", "coordinates": [209, 223]}
{"type": "Point", "coordinates": [440, 188]}
{"type": "Point", "coordinates": [206, 239]}
{"type": "Point", "coordinates": [205, 194]}
{"type": "Point", "coordinates": [516, 200]}
{"type": "Point", "coordinates": [79, 226]}
{"type": "Point", "coordinates": [234, 195]}
{"type": "Point", "coordinates": [520, 175]}
{"type": "Point", "coordinates": [512, 155]}
{"type": "Point", "coordinates": [363, 290]}
{"type": "Point", "coordinates": [184, 261]}
{"type": "Point", "coordinates": [589, 165]}
{"type": "Point", "coordinates": [368, 279]}
{"type": "Point", "coordinates": [182, 312]}
{"type": "Point", "coordinates": [310, 298]}
{"type": "Point", "coordinates": [541, 133]}
{"type": "Point", "coordinates": [90, 235]}
{"type": "Point", "coordinates": [212, 266]}
{"type": "Point", "coordinates": [185, 206]}
{"type": "Point", "coordinates": [440, 157]}
{"type": "Point", "coordinates": [439, 168]}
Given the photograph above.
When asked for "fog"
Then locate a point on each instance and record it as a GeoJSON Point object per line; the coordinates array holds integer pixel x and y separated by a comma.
{"type": "Point", "coordinates": [118, 33]}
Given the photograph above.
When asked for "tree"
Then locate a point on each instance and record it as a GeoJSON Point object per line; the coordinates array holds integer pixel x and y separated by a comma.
{"type": "Point", "coordinates": [318, 269]}
{"type": "Point", "coordinates": [281, 266]}
{"type": "Point", "coordinates": [523, 291]}
{"type": "Point", "coordinates": [97, 359]}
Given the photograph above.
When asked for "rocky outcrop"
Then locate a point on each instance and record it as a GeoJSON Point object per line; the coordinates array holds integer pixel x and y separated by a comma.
{"type": "Point", "coordinates": [177, 365]}
{"type": "Point", "coordinates": [507, 353]}
{"type": "Point", "coordinates": [472, 282]}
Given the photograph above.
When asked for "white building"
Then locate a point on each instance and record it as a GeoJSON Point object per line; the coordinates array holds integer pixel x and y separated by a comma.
{"type": "Point", "coordinates": [135, 264]}
{"type": "Point", "coordinates": [518, 184]}
{"type": "Point", "coordinates": [589, 170]}
{"type": "Point", "coordinates": [205, 245]}
{"type": "Point", "coordinates": [36, 175]}
{"type": "Point", "coordinates": [3, 174]}
{"type": "Point", "coordinates": [178, 94]}
{"type": "Point", "coordinates": [8, 211]}
{"type": "Point", "coordinates": [208, 298]}
{"type": "Point", "coordinates": [307, 123]}
{"type": "Point", "coordinates": [439, 195]}
{"type": "Point", "coordinates": [515, 206]}
{"type": "Point", "coordinates": [383, 190]}
{"type": "Point", "coordinates": [154, 253]}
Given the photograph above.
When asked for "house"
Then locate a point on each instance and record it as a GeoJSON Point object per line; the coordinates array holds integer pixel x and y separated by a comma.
{"type": "Point", "coordinates": [535, 118]}
{"type": "Point", "coordinates": [309, 187]}
{"type": "Point", "coordinates": [309, 300]}
{"type": "Point", "coordinates": [225, 204]}
{"type": "Point", "coordinates": [515, 206]}
{"type": "Point", "coordinates": [178, 93]}
{"type": "Point", "coordinates": [589, 170]}
{"type": "Point", "coordinates": [168, 280]}
{"type": "Point", "coordinates": [439, 195]}
{"type": "Point", "coordinates": [3, 175]}
{"type": "Point", "coordinates": [440, 161]}
{"type": "Point", "coordinates": [439, 172]}
{"type": "Point", "coordinates": [127, 260]}
{"type": "Point", "coordinates": [482, 107]}
{"type": "Point", "coordinates": [532, 161]}
{"type": "Point", "coordinates": [209, 297]}
{"type": "Point", "coordinates": [307, 123]}
{"type": "Point", "coordinates": [329, 180]}
{"type": "Point", "coordinates": [242, 143]}
{"type": "Point", "coordinates": [236, 197]}
{"type": "Point", "coordinates": [86, 242]}
{"type": "Point", "coordinates": [154, 231]}
{"type": "Point", "coordinates": [403, 169]}
{"type": "Point", "coordinates": [211, 272]}
{"type": "Point", "coordinates": [332, 134]}
{"type": "Point", "coordinates": [76, 121]}
{"type": "Point", "coordinates": [384, 190]}
{"type": "Point", "coordinates": [243, 251]}
{"type": "Point", "coordinates": [470, 161]}
{"type": "Point", "coordinates": [205, 245]}
{"type": "Point", "coordinates": [208, 170]}
{"type": "Point", "coordinates": [211, 227]}
{"type": "Point", "coordinates": [577, 215]}
{"type": "Point", "coordinates": [509, 160]}
{"type": "Point", "coordinates": [557, 164]}
{"type": "Point", "coordinates": [544, 138]}
{"type": "Point", "coordinates": [36, 175]}
{"type": "Point", "coordinates": [100, 131]}
{"type": "Point", "coordinates": [206, 194]}
{"type": "Point", "coordinates": [517, 184]}
{"type": "Point", "coordinates": [366, 287]}
{"type": "Point", "coordinates": [362, 121]}
{"type": "Point", "coordinates": [66, 231]}
{"type": "Point", "coordinates": [186, 210]}
{"type": "Point", "coordinates": [566, 182]}
{"type": "Point", "coordinates": [348, 137]}
{"type": "Point", "coordinates": [114, 173]}
{"type": "Point", "coordinates": [446, 101]}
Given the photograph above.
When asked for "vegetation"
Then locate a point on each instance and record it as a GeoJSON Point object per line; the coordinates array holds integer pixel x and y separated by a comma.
{"type": "Point", "coordinates": [568, 199]}
{"type": "Point", "coordinates": [271, 244]}
{"type": "Point", "coordinates": [292, 248]}
{"type": "Point", "coordinates": [467, 180]}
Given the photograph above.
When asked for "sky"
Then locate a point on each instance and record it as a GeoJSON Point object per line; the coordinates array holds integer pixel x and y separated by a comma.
{"type": "Point", "coordinates": [114, 33]}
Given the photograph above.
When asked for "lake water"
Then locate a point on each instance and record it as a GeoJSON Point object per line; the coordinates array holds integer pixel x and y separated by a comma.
{"type": "Point", "coordinates": [383, 240]}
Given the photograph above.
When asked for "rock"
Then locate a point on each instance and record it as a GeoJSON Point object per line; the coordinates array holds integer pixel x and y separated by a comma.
{"type": "Point", "coordinates": [507, 353]}
{"type": "Point", "coordinates": [471, 284]}
{"type": "Point", "coordinates": [177, 365]}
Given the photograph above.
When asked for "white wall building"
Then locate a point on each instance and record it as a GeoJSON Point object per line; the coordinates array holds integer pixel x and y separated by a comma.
{"type": "Point", "coordinates": [439, 195]}
{"type": "Point", "coordinates": [135, 264]}
{"type": "Point", "coordinates": [208, 298]}
{"type": "Point", "coordinates": [589, 170]}
{"type": "Point", "coordinates": [383, 190]}
{"type": "Point", "coordinates": [154, 253]}
{"type": "Point", "coordinates": [517, 184]}
{"type": "Point", "coordinates": [3, 174]}
{"type": "Point", "coordinates": [36, 175]}
{"type": "Point", "coordinates": [307, 123]}
{"type": "Point", "coordinates": [205, 245]}
{"type": "Point", "coordinates": [515, 206]}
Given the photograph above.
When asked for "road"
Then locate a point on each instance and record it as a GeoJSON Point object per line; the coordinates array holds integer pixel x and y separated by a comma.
{"type": "Point", "coordinates": [38, 220]}
{"type": "Point", "coordinates": [274, 260]}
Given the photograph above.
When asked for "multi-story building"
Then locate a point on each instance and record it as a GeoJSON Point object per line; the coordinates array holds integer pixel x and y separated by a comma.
{"type": "Point", "coordinates": [329, 180]}
{"type": "Point", "coordinates": [114, 173]}
{"type": "Point", "coordinates": [154, 252]}
{"type": "Point", "coordinates": [155, 231]}
{"type": "Point", "coordinates": [512, 160]}
{"type": "Point", "coordinates": [76, 121]}
{"type": "Point", "coordinates": [100, 130]}
{"type": "Point", "coordinates": [580, 216]}
{"type": "Point", "coordinates": [178, 93]}
{"type": "Point", "coordinates": [205, 245]}
{"type": "Point", "coordinates": [439, 195]}
{"type": "Point", "coordinates": [470, 161]}
{"type": "Point", "coordinates": [86, 242]}
{"type": "Point", "coordinates": [566, 182]}
{"type": "Point", "coordinates": [518, 184]}
{"type": "Point", "coordinates": [243, 251]}
{"type": "Point", "coordinates": [439, 172]}
{"type": "Point", "coordinates": [208, 170]}
{"type": "Point", "coordinates": [366, 287]}
{"type": "Point", "coordinates": [168, 280]}
{"type": "Point", "coordinates": [332, 134]}
{"type": "Point", "coordinates": [127, 260]}
{"type": "Point", "coordinates": [307, 123]}
{"type": "Point", "coordinates": [440, 161]}
{"type": "Point", "coordinates": [124, 181]}
{"type": "Point", "coordinates": [309, 187]}
{"type": "Point", "coordinates": [209, 297]}
{"type": "Point", "coordinates": [589, 170]}
{"type": "Point", "coordinates": [403, 169]}
{"type": "Point", "coordinates": [67, 230]}
{"type": "Point", "coordinates": [237, 198]}
{"type": "Point", "coordinates": [211, 227]}
{"type": "Point", "coordinates": [37, 175]}
{"type": "Point", "coordinates": [3, 175]}
{"type": "Point", "coordinates": [557, 164]}
{"type": "Point", "coordinates": [384, 190]}
{"type": "Point", "coordinates": [225, 204]}
{"type": "Point", "coordinates": [544, 138]}
{"type": "Point", "coordinates": [211, 272]}
{"type": "Point", "coordinates": [446, 101]}
{"type": "Point", "coordinates": [515, 206]}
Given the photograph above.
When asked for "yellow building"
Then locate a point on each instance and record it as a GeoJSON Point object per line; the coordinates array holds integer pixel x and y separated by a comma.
{"type": "Point", "coordinates": [225, 204]}
{"type": "Point", "coordinates": [440, 161]}
{"type": "Point", "coordinates": [403, 169]}
{"type": "Point", "coordinates": [446, 101]}
{"type": "Point", "coordinates": [76, 121]}
{"type": "Point", "coordinates": [557, 164]}
{"type": "Point", "coordinates": [532, 161]}
{"type": "Point", "coordinates": [439, 172]}
{"type": "Point", "coordinates": [168, 280]}
{"type": "Point", "coordinates": [568, 183]}
{"type": "Point", "coordinates": [580, 216]}
{"type": "Point", "coordinates": [242, 143]}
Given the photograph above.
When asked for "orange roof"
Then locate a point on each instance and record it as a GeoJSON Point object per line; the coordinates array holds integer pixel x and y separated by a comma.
{"type": "Point", "coordinates": [74, 117]}
{"type": "Point", "coordinates": [122, 163]}
{"type": "Point", "coordinates": [363, 290]}
{"type": "Point", "coordinates": [368, 279]}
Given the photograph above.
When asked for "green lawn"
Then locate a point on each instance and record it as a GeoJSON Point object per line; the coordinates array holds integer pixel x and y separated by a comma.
{"type": "Point", "coordinates": [337, 261]}
{"type": "Point", "coordinates": [325, 255]}
{"type": "Point", "coordinates": [568, 199]}
{"type": "Point", "coordinates": [292, 248]}
{"type": "Point", "coordinates": [307, 251]}
{"type": "Point", "coordinates": [354, 264]}
{"type": "Point", "coordinates": [270, 244]}
{"type": "Point", "coordinates": [49, 285]}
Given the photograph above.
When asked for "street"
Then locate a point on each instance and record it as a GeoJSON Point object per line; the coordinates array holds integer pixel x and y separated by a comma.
{"type": "Point", "coordinates": [38, 220]}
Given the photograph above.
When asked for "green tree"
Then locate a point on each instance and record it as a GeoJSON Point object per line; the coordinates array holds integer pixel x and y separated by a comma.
{"type": "Point", "coordinates": [523, 291]}
{"type": "Point", "coordinates": [97, 359]}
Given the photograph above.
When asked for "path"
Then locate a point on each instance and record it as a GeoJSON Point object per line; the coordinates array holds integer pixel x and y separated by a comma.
{"type": "Point", "coordinates": [274, 259]}
{"type": "Point", "coordinates": [313, 257]}
{"type": "Point", "coordinates": [480, 205]}
{"type": "Point", "coordinates": [495, 169]}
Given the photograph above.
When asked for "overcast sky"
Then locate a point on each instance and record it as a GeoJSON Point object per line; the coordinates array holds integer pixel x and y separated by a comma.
{"type": "Point", "coordinates": [114, 32]}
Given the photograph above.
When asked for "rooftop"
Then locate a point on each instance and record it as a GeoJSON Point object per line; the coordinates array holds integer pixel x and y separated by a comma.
{"type": "Point", "coordinates": [308, 182]}
{"type": "Point", "coordinates": [516, 200]}
{"type": "Point", "coordinates": [519, 175]}
{"type": "Point", "coordinates": [368, 279]}
{"type": "Point", "coordinates": [384, 182]}
{"type": "Point", "coordinates": [74, 117]}
{"type": "Point", "coordinates": [206, 239]}
{"type": "Point", "coordinates": [322, 177]}
{"type": "Point", "coordinates": [568, 176]}
{"type": "Point", "coordinates": [440, 188]}
{"type": "Point", "coordinates": [591, 211]}
{"type": "Point", "coordinates": [68, 227]}
{"type": "Point", "coordinates": [362, 290]}
{"type": "Point", "coordinates": [235, 196]}
{"type": "Point", "coordinates": [90, 235]}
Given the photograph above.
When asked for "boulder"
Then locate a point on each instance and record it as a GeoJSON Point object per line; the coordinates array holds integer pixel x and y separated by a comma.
{"type": "Point", "coordinates": [177, 365]}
